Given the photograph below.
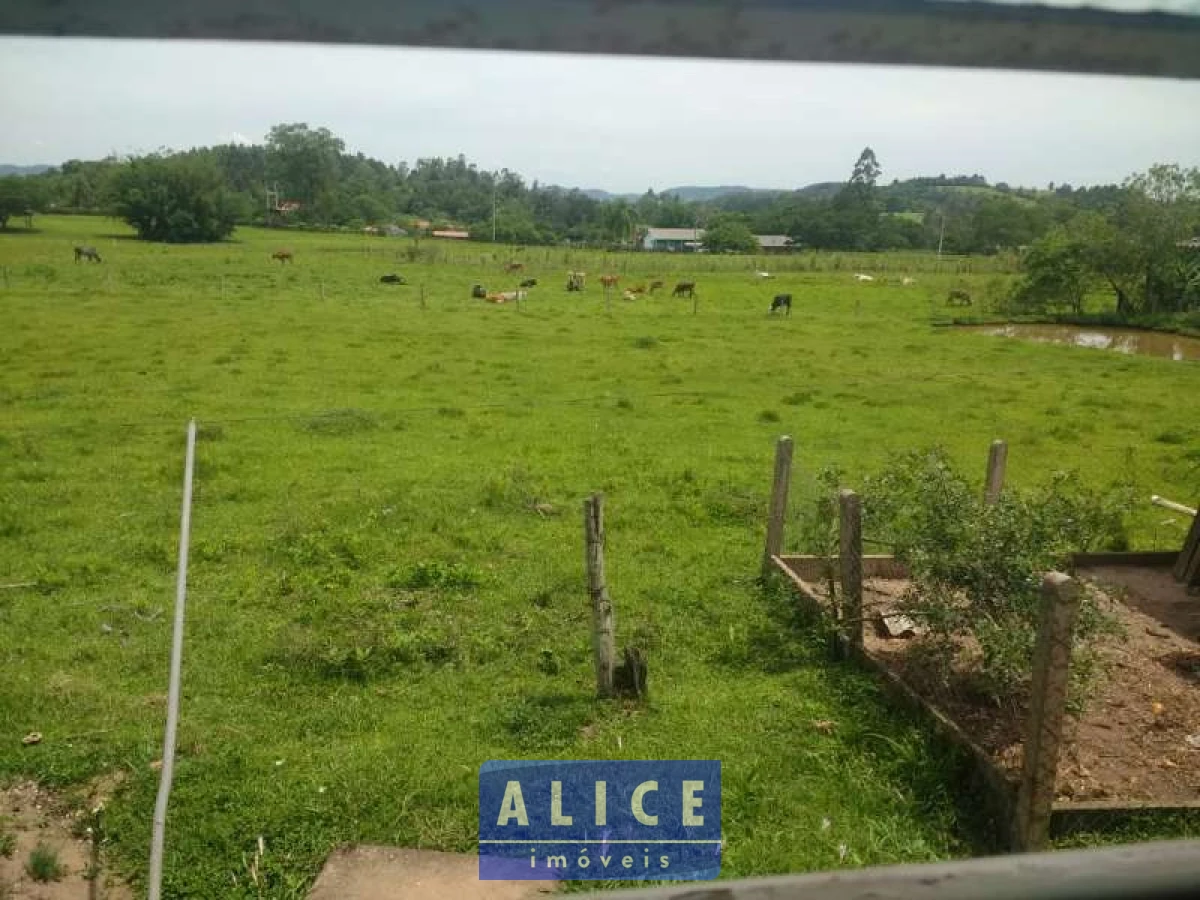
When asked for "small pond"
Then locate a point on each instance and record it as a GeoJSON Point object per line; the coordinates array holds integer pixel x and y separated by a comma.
{"type": "Point", "coordinates": [1122, 340]}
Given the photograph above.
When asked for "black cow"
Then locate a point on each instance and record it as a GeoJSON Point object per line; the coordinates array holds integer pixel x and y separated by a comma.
{"type": "Point", "coordinates": [478, 292]}
{"type": "Point", "coordinates": [782, 301]}
{"type": "Point", "coordinates": [528, 283]}
{"type": "Point", "coordinates": [86, 253]}
{"type": "Point", "coordinates": [392, 279]}
{"type": "Point", "coordinates": [684, 289]}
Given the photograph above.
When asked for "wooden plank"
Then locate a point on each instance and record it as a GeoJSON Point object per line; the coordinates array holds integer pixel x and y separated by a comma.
{"type": "Point", "coordinates": [812, 568]}
{"type": "Point", "coordinates": [813, 600]}
{"type": "Point", "coordinates": [1047, 710]}
{"type": "Point", "coordinates": [779, 498]}
{"type": "Point", "coordinates": [1068, 806]}
{"type": "Point", "coordinates": [1149, 871]}
{"type": "Point", "coordinates": [900, 32]}
{"type": "Point", "coordinates": [1002, 790]}
{"type": "Point", "coordinates": [1151, 558]}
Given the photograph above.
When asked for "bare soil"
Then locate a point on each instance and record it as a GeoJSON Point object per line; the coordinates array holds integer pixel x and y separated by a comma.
{"type": "Point", "coordinates": [34, 816]}
{"type": "Point", "coordinates": [1130, 741]}
{"type": "Point", "coordinates": [393, 873]}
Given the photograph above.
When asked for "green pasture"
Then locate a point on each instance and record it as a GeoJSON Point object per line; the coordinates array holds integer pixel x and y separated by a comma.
{"type": "Point", "coordinates": [375, 605]}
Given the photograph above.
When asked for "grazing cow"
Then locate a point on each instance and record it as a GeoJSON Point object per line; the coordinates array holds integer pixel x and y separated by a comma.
{"type": "Point", "coordinates": [575, 281]}
{"type": "Point", "coordinates": [861, 277]}
{"type": "Point", "coordinates": [684, 289]}
{"type": "Point", "coordinates": [478, 292]}
{"type": "Point", "coordinates": [609, 280]}
{"type": "Point", "coordinates": [88, 253]}
{"type": "Point", "coordinates": [638, 289]}
{"type": "Point", "coordinates": [655, 285]}
{"type": "Point", "coordinates": [284, 256]}
{"type": "Point", "coordinates": [782, 301]}
{"type": "Point", "coordinates": [515, 267]}
{"type": "Point", "coordinates": [392, 279]}
{"type": "Point", "coordinates": [529, 282]}
{"type": "Point", "coordinates": [958, 297]}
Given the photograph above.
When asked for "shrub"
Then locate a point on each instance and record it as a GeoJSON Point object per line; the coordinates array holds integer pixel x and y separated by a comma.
{"type": "Point", "coordinates": [977, 568]}
{"type": "Point", "coordinates": [43, 864]}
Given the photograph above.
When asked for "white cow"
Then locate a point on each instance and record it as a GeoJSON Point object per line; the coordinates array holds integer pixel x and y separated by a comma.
{"type": "Point", "coordinates": [861, 277]}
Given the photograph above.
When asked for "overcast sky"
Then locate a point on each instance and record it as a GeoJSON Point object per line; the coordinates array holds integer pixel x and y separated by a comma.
{"type": "Point", "coordinates": [621, 124]}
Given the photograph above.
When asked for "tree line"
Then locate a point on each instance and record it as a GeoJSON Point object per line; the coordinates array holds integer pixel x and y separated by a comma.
{"type": "Point", "coordinates": [1127, 238]}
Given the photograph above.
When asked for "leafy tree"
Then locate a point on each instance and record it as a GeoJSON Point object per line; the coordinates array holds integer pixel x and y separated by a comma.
{"type": "Point", "coordinates": [1133, 248]}
{"type": "Point", "coordinates": [729, 233]}
{"type": "Point", "coordinates": [1058, 271]}
{"type": "Point", "coordinates": [178, 199]}
{"type": "Point", "coordinates": [17, 195]}
{"type": "Point", "coordinates": [306, 163]}
{"type": "Point", "coordinates": [856, 208]}
{"type": "Point", "coordinates": [867, 170]}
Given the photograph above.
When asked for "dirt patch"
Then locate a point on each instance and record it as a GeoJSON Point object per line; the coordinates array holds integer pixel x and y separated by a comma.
{"type": "Point", "coordinates": [392, 873]}
{"type": "Point", "coordinates": [1138, 737]}
{"type": "Point", "coordinates": [1153, 591]}
{"type": "Point", "coordinates": [35, 817]}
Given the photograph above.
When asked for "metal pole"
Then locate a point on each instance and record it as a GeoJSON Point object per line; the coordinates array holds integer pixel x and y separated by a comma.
{"type": "Point", "coordinates": [168, 762]}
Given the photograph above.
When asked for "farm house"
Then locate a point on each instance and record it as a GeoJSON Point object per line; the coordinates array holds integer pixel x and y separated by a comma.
{"type": "Point", "coordinates": [673, 239]}
{"type": "Point", "coordinates": [774, 243]}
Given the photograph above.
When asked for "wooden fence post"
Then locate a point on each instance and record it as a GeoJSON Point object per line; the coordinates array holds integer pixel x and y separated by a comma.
{"type": "Point", "coordinates": [1187, 565]}
{"type": "Point", "coordinates": [602, 609]}
{"type": "Point", "coordinates": [997, 460]}
{"type": "Point", "coordinates": [779, 499]}
{"type": "Point", "coordinates": [1047, 708]}
{"type": "Point", "coordinates": [850, 556]}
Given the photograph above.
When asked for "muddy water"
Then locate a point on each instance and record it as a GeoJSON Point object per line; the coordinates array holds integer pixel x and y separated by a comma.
{"type": "Point", "coordinates": [1122, 340]}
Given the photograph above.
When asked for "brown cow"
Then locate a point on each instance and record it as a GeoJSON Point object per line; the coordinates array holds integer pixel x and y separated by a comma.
{"type": "Point", "coordinates": [283, 256]}
{"type": "Point", "coordinates": [609, 280]}
{"type": "Point", "coordinates": [655, 285]}
{"type": "Point", "coordinates": [515, 267]}
{"type": "Point", "coordinates": [684, 288]}
{"type": "Point", "coordinates": [638, 289]}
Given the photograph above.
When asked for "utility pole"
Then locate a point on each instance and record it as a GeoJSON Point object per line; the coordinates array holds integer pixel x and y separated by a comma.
{"type": "Point", "coordinates": [941, 236]}
{"type": "Point", "coordinates": [493, 208]}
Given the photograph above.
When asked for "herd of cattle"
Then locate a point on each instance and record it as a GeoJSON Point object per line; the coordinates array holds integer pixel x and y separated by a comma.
{"type": "Point", "coordinates": [575, 283]}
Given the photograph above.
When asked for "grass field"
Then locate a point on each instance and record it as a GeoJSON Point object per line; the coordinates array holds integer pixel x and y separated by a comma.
{"type": "Point", "coordinates": [375, 608]}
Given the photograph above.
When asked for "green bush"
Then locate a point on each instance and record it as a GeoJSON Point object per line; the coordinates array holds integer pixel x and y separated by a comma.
{"type": "Point", "coordinates": [977, 568]}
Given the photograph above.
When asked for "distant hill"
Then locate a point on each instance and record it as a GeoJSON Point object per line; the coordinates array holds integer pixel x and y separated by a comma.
{"type": "Point", "coordinates": [6, 169]}
{"type": "Point", "coordinates": [603, 196]}
{"type": "Point", "coordinates": [687, 193]}
{"type": "Point", "coordinates": [701, 194]}
{"type": "Point", "coordinates": [821, 190]}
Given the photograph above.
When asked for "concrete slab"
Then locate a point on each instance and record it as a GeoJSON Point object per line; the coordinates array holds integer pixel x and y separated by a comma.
{"type": "Point", "coordinates": [394, 873]}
